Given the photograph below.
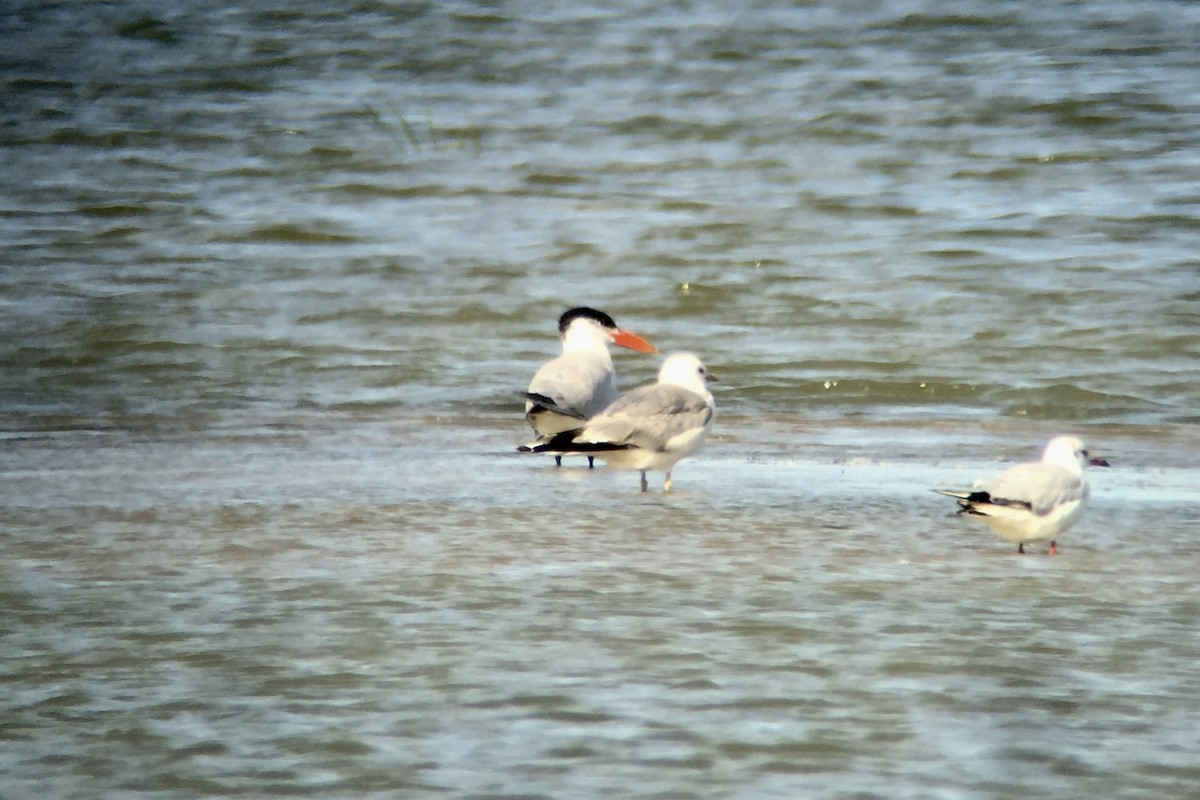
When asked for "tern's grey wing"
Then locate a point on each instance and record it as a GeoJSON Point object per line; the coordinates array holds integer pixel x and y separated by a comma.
{"type": "Point", "coordinates": [578, 386]}
{"type": "Point", "coordinates": [1040, 486]}
{"type": "Point", "coordinates": [648, 417]}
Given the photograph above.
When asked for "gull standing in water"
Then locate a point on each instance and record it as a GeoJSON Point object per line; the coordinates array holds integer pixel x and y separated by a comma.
{"type": "Point", "coordinates": [570, 389]}
{"type": "Point", "coordinates": [648, 428]}
{"type": "Point", "coordinates": [1033, 502]}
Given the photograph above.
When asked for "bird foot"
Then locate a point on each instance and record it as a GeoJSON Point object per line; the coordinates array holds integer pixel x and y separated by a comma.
{"type": "Point", "coordinates": [1053, 551]}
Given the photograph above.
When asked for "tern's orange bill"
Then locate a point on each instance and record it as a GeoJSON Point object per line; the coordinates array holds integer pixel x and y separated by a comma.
{"type": "Point", "coordinates": [633, 342]}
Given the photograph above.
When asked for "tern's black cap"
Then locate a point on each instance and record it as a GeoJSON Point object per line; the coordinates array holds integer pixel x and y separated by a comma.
{"type": "Point", "coordinates": [567, 318]}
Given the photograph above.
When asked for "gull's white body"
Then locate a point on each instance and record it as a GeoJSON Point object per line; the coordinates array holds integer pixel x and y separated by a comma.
{"type": "Point", "coordinates": [1035, 502]}
{"type": "Point", "coordinates": [652, 427]}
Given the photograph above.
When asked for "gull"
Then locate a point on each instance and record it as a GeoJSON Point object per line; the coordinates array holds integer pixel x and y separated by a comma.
{"type": "Point", "coordinates": [651, 427]}
{"type": "Point", "coordinates": [1033, 502]}
{"type": "Point", "coordinates": [568, 390]}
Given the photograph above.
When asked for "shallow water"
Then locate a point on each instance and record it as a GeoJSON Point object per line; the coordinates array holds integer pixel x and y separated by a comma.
{"type": "Point", "coordinates": [336, 615]}
{"type": "Point", "coordinates": [272, 277]}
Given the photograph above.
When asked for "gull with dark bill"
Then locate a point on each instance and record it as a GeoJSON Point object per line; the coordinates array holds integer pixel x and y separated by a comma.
{"type": "Point", "coordinates": [648, 428]}
{"type": "Point", "coordinates": [569, 390]}
{"type": "Point", "coordinates": [1033, 502]}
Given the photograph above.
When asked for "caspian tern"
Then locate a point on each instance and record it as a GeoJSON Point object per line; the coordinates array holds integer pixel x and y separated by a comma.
{"type": "Point", "coordinates": [1033, 502]}
{"type": "Point", "coordinates": [651, 427]}
{"type": "Point", "coordinates": [569, 390]}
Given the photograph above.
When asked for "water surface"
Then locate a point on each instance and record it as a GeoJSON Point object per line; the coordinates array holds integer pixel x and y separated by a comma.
{"type": "Point", "coordinates": [271, 278]}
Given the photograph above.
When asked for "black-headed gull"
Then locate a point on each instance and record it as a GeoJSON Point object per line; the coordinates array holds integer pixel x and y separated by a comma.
{"type": "Point", "coordinates": [1034, 502]}
{"type": "Point", "coordinates": [569, 390]}
{"type": "Point", "coordinates": [651, 427]}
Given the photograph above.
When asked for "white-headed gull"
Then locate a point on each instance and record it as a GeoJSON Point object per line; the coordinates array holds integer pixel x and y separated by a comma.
{"type": "Point", "coordinates": [1033, 502]}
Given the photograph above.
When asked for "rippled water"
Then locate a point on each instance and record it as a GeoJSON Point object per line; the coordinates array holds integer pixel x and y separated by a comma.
{"type": "Point", "coordinates": [272, 275]}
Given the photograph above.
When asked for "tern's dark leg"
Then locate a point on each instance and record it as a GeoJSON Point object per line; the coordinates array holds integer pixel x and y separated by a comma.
{"type": "Point", "coordinates": [558, 461]}
{"type": "Point", "coordinates": [1021, 548]}
{"type": "Point", "coordinates": [591, 462]}
{"type": "Point", "coordinates": [645, 486]}
{"type": "Point", "coordinates": [1053, 551]}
